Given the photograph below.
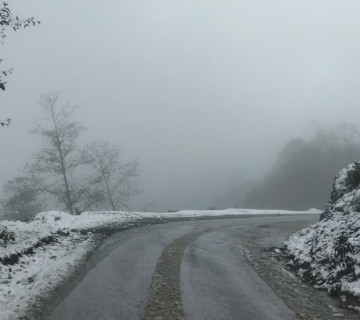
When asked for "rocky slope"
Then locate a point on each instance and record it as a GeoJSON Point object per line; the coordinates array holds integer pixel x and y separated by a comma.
{"type": "Point", "coordinates": [327, 254]}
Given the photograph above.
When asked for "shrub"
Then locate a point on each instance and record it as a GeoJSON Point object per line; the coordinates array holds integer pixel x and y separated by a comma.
{"type": "Point", "coordinates": [343, 248]}
{"type": "Point", "coordinates": [353, 177]}
{"type": "Point", "coordinates": [6, 236]}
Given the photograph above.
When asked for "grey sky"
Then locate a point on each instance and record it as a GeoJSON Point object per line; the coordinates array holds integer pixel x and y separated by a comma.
{"type": "Point", "coordinates": [201, 92]}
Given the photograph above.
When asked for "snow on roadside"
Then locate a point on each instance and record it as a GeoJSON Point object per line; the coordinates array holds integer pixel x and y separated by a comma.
{"type": "Point", "coordinates": [327, 254]}
{"type": "Point", "coordinates": [49, 248]}
{"type": "Point", "coordinates": [22, 285]}
{"type": "Point", "coordinates": [197, 213]}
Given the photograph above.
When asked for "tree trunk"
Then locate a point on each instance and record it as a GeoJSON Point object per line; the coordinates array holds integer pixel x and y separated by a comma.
{"type": "Point", "coordinates": [69, 202]}
{"type": "Point", "coordinates": [108, 191]}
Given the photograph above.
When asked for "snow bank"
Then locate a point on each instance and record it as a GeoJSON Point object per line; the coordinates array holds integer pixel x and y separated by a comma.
{"type": "Point", "coordinates": [231, 212]}
{"type": "Point", "coordinates": [37, 256]}
{"type": "Point", "coordinates": [327, 254]}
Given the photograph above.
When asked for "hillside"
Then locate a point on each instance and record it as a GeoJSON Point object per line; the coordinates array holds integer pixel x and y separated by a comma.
{"type": "Point", "coordinates": [327, 254]}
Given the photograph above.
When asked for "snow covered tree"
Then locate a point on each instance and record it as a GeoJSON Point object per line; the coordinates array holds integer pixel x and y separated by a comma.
{"type": "Point", "coordinates": [113, 182]}
{"type": "Point", "coordinates": [22, 200]}
{"type": "Point", "coordinates": [55, 163]}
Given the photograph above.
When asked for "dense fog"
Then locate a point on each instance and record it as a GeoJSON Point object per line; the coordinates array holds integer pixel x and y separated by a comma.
{"type": "Point", "coordinates": [220, 103]}
{"type": "Point", "coordinates": [304, 171]}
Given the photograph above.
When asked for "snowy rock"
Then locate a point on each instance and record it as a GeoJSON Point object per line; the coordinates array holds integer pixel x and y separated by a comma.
{"type": "Point", "coordinates": [345, 196]}
{"type": "Point", "coordinates": [327, 254]}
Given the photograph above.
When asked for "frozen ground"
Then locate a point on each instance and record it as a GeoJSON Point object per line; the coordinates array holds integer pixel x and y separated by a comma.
{"type": "Point", "coordinates": [36, 256]}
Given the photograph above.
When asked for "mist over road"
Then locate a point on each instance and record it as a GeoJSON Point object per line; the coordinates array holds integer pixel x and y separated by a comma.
{"type": "Point", "coordinates": [192, 269]}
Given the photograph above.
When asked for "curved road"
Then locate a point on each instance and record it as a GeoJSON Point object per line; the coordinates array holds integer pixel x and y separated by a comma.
{"type": "Point", "coordinates": [182, 270]}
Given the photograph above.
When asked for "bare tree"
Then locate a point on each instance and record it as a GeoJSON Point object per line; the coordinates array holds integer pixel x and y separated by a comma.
{"type": "Point", "coordinates": [113, 182]}
{"type": "Point", "coordinates": [22, 200]}
{"type": "Point", "coordinates": [56, 162]}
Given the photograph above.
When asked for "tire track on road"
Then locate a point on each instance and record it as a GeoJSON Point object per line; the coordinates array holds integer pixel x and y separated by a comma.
{"type": "Point", "coordinates": [165, 300]}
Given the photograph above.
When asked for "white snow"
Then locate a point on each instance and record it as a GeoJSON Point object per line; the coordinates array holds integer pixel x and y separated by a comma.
{"type": "Point", "coordinates": [43, 266]}
{"type": "Point", "coordinates": [329, 250]}
{"type": "Point", "coordinates": [207, 213]}
{"type": "Point", "coordinates": [316, 245]}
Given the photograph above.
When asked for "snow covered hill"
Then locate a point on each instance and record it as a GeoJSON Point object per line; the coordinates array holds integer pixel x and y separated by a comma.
{"type": "Point", "coordinates": [327, 254]}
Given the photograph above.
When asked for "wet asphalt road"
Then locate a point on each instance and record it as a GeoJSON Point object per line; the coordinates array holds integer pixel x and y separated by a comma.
{"type": "Point", "coordinates": [191, 269]}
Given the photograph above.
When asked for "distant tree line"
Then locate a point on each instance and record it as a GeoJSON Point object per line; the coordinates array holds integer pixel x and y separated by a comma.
{"type": "Point", "coordinates": [303, 173]}
{"type": "Point", "coordinates": [89, 178]}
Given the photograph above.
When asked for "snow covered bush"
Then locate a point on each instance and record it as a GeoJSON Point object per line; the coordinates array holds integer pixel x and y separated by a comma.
{"type": "Point", "coordinates": [353, 176]}
{"type": "Point", "coordinates": [345, 196]}
{"type": "Point", "coordinates": [6, 236]}
{"type": "Point", "coordinates": [327, 254]}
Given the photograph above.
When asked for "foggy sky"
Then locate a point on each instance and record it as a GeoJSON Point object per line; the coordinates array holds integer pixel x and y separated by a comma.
{"type": "Point", "coordinates": [202, 93]}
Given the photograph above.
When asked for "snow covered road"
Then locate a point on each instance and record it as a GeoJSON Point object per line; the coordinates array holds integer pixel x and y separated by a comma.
{"type": "Point", "coordinates": [215, 280]}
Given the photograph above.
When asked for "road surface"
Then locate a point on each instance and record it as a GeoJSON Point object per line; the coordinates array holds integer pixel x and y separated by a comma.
{"type": "Point", "coordinates": [182, 270]}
